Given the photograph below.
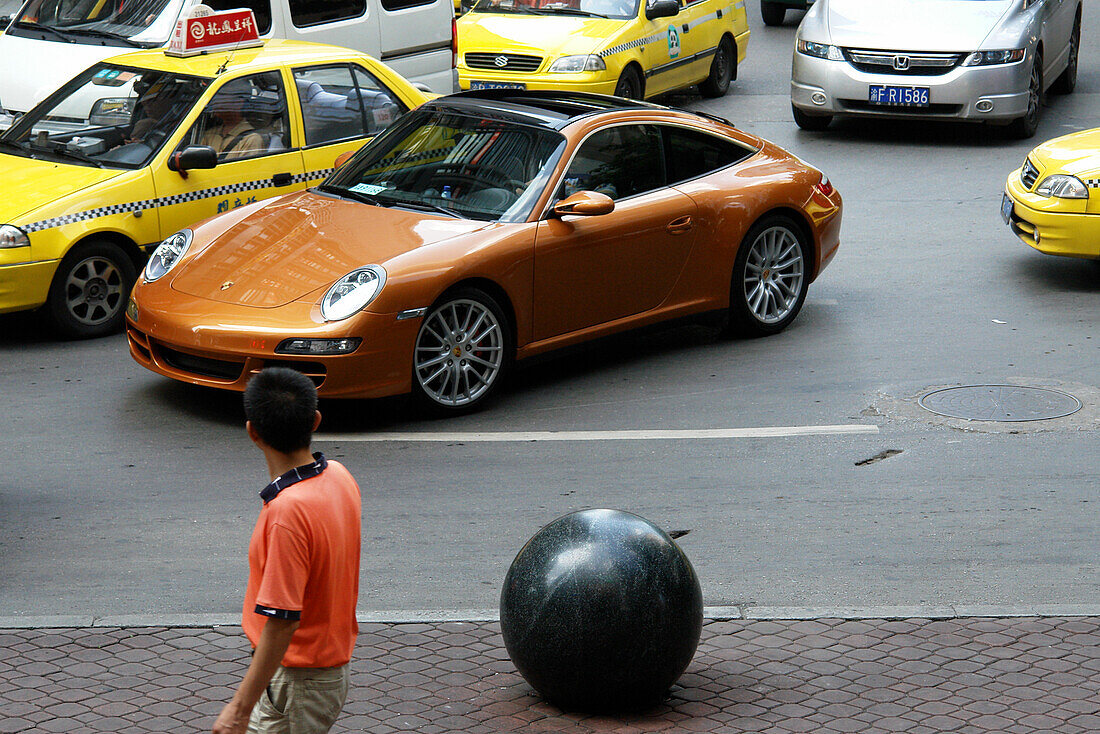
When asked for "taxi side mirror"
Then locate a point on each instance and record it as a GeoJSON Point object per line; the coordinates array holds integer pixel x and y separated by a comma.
{"type": "Point", "coordinates": [343, 158]}
{"type": "Point", "coordinates": [662, 9]}
{"type": "Point", "coordinates": [193, 157]}
{"type": "Point", "coordinates": [585, 203]}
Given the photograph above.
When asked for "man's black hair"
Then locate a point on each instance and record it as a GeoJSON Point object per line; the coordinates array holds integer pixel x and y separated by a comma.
{"type": "Point", "coordinates": [281, 404]}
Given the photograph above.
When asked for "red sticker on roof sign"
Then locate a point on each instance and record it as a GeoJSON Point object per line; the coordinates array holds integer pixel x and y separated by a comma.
{"type": "Point", "coordinates": [222, 31]}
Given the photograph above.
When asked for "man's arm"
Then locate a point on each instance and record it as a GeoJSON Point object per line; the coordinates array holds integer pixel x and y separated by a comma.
{"type": "Point", "coordinates": [274, 640]}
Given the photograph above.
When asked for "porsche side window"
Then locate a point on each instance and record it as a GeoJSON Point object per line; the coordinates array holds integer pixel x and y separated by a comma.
{"type": "Point", "coordinates": [245, 118]}
{"type": "Point", "coordinates": [692, 153]}
{"type": "Point", "coordinates": [620, 161]}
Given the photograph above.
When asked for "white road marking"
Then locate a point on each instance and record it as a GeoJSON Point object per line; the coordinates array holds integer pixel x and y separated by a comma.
{"type": "Point", "coordinates": [674, 435]}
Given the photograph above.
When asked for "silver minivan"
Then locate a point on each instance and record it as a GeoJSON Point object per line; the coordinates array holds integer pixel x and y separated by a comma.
{"type": "Point", "coordinates": [50, 41]}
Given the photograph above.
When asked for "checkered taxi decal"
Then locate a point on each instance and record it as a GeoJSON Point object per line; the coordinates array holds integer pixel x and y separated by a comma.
{"type": "Point", "coordinates": [663, 35]}
{"type": "Point", "coordinates": [189, 196]}
{"type": "Point", "coordinates": [1092, 183]}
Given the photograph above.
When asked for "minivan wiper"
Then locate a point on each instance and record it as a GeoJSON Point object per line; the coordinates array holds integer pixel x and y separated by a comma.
{"type": "Point", "coordinates": [107, 34]}
{"type": "Point", "coordinates": [39, 27]}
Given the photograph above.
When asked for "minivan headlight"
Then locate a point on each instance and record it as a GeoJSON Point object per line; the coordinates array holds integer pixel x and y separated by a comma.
{"type": "Point", "coordinates": [11, 236]}
{"type": "Point", "coordinates": [990, 58]}
{"type": "Point", "coordinates": [577, 64]}
{"type": "Point", "coordinates": [819, 50]}
{"type": "Point", "coordinates": [168, 253]}
{"type": "Point", "coordinates": [352, 293]}
{"type": "Point", "coordinates": [1063, 186]}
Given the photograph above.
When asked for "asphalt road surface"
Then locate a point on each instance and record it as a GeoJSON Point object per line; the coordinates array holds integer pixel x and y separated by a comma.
{"type": "Point", "coordinates": [124, 493]}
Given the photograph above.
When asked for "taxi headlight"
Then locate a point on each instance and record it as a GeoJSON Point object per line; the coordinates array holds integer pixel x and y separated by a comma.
{"type": "Point", "coordinates": [990, 58]}
{"type": "Point", "coordinates": [352, 293]}
{"type": "Point", "coordinates": [13, 237]}
{"type": "Point", "coordinates": [1063, 187]}
{"type": "Point", "coordinates": [168, 253]}
{"type": "Point", "coordinates": [577, 64]}
{"type": "Point", "coordinates": [819, 50]}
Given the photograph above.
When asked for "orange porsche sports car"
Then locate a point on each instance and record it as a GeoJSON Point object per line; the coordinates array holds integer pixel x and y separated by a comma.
{"type": "Point", "coordinates": [483, 228]}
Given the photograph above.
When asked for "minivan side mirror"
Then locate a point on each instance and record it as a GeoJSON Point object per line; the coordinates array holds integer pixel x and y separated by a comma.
{"type": "Point", "coordinates": [585, 203]}
{"type": "Point", "coordinates": [193, 157]}
{"type": "Point", "coordinates": [662, 9]}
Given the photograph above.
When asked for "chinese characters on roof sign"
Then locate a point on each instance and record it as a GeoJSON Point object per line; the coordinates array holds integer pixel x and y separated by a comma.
{"type": "Point", "coordinates": [223, 31]}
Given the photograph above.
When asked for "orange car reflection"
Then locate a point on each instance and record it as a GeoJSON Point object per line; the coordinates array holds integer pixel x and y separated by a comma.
{"type": "Point", "coordinates": [484, 228]}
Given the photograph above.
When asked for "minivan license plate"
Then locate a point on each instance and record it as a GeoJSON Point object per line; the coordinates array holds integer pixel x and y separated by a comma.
{"type": "Point", "coordinates": [898, 96]}
{"type": "Point", "coordinates": [474, 84]}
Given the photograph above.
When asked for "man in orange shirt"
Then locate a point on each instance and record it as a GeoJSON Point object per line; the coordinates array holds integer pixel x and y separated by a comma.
{"type": "Point", "coordinates": [303, 561]}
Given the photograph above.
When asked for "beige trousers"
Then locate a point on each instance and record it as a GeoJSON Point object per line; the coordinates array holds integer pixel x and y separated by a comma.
{"type": "Point", "coordinates": [300, 701]}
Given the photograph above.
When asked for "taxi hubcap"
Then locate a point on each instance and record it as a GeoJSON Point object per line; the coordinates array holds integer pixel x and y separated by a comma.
{"type": "Point", "coordinates": [774, 272]}
{"type": "Point", "coordinates": [93, 291]}
{"type": "Point", "coordinates": [459, 352]}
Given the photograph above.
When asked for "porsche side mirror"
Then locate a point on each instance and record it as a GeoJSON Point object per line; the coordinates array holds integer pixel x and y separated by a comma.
{"type": "Point", "coordinates": [343, 158]}
{"type": "Point", "coordinates": [662, 9]}
{"type": "Point", "coordinates": [584, 203]}
{"type": "Point", "coordinates": [193, 157]}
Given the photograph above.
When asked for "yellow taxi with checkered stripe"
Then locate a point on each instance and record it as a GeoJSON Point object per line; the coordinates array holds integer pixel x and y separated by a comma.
{"type": "Point", "coordinates": [1052, 201]}
{"type": "Point", "coordinates": [142, 145]}
{"type": "Point", "coordinates": [631, 48]}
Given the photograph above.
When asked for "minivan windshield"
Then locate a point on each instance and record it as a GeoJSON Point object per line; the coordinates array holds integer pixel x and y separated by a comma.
{"type": "Point", "coordinates": [619, 9]}
{"type": "Point", "coordinates": [453, 164]}
{"type": "Point", "coordinates": [108, 117]}
{"type": "Point", "coordinates": [127, 22]}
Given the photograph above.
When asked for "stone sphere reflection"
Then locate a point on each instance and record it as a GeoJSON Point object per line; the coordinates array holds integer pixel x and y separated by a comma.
{"type": "Point", "coordinates": [601, 611]}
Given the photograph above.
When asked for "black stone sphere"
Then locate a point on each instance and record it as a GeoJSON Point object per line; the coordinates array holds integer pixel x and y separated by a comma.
{"type": "Point", "coordinates": [601, 611]}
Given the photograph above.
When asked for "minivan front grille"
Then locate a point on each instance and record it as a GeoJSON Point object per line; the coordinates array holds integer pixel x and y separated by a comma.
{"type": "Point", "coordinates": [503, 62]}
{"type": "Point", "coordinates": [1028, 174]}
{"type": "Point", "coordinates": [902, 63]}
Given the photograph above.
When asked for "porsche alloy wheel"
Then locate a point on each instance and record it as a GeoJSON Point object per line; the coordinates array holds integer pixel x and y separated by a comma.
{"type": "Point", "coordinates": [462, 351]}
{"type": "Point", "coordinates": [770, 278]}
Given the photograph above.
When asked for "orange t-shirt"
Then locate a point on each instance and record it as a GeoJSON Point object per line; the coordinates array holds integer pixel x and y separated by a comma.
{"type": "Point", "coordinates": [303, 563]}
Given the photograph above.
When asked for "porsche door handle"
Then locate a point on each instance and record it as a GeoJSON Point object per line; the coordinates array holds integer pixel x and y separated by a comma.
{"type": "Point", "coordinates": [680, 225]}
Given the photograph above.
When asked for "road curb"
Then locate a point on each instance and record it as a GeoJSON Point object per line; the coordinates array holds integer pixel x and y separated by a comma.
{"type": "Point", "coordinates": [436, 616]}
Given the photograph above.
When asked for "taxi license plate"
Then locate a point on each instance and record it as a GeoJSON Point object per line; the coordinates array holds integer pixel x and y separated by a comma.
{"type": "Point", "coordinates": [497, 85]}
{"type": "Point", "coordinates": [1006, 208]}
{"type": "Point", "coordinates": [879, 94]}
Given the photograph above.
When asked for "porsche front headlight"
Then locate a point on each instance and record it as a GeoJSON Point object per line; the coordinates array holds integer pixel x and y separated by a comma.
{"type": "Point", "coordinates": [352, 293]}
{"type": "Point", "coordinates": [168, 253]}
{"type": "Point", "coordinates": [1062, 186]}
{"type": "Point", "coordinates": [577, 64]}
{"type": "Point", "coordinates": [11, 236]}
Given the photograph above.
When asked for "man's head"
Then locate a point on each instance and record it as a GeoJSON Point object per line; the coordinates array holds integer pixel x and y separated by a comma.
{"type": "Point", "coordinates": [280, 405]}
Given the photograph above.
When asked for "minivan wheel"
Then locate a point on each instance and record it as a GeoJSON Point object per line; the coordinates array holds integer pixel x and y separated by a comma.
{"type": "Point", "coordinates": [814, 123]}
{"type": "Point", "coordinates": [1067, 81]}
{"type": "Point", "coordinates": [88, 295]}
{"type": "Point", "coordinates": [1025, 127]}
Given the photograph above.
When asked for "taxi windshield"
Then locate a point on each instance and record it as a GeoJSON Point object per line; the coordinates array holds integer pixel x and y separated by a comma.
{"type": "Point", "coordinates": [108, 117]}
{"type": "Point", "coordinates": [619, 9]}
{"type": "Point", "coordinates": [453, 164]}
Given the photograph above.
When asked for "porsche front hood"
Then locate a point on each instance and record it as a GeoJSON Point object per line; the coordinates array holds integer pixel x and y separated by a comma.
{"type": "Point", "coordinates": [303, 243]}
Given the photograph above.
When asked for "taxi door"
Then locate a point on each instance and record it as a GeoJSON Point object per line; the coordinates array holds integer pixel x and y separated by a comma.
{"type": "Point", "coordinates": [342, 106]}
{"type": "Point", "coordinates": [663, 53]}
{"type": "Point", "coordinates": [246, 121]}
{"type": "Point", "coordinates": [596, 269]}
{"type": "Point", "coordinates": [700, 31]}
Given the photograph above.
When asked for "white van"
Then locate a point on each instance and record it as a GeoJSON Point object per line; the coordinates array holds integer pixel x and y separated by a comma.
{"type": "Point", "coordinates": [51, 41]}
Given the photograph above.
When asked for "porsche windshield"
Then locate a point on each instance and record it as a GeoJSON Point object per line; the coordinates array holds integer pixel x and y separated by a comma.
{"type": "Point", "coordinates": [109, 117]}
{"type": "Point", "coordinates": [619, 9]}
{"type": "Point", "coordinates": [453, 164]}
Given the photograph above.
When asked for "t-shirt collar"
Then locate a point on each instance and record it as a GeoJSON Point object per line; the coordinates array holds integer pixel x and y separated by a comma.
{"type": "Point", "coordinates": [295, 475]}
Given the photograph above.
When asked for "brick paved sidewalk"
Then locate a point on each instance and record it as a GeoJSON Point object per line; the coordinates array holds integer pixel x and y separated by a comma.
{"type": "Point", "coordinates": [916, 675]}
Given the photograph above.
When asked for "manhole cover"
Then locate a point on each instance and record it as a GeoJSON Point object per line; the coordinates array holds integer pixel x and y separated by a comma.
{"type": "Point", "coordinates": [1004, 403]}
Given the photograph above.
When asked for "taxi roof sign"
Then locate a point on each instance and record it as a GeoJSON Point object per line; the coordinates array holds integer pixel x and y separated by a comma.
{"type": "Point", "coordinates": [205, 31]}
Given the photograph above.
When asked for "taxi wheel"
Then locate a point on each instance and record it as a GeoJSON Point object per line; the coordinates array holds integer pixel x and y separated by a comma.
{"type": "Point", "coordinates": [462, 352]}
{"type": "Point", "coordinates": [1067, 81]}
{"type": "Point", "coordinates": [722, 68]}
{"type": "Point", "coordinates": [1025, 127]}
{"type": "Point", "coordinates": [770, 278]}
{"type": "Point", "coordinates": [630, 84]}
{"type": "Point", "coordinates": [771, 13]}
{"type": "Point", "coordinates": [89, 291]}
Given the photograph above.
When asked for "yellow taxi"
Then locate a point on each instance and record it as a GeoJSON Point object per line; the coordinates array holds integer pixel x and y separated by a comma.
{"type": "Point", "coordinates": [630, 48]}
{"type": "Point", "coordinates": [142, 145]}
{"type": "Point", "coordinates": [1052, 202]}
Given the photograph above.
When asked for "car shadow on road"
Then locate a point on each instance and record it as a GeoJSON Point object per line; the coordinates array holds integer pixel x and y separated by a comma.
{"type": "Point", "coordinates": [24, 327]}
{"type": "Point", "coordinates": [1049, 274]}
